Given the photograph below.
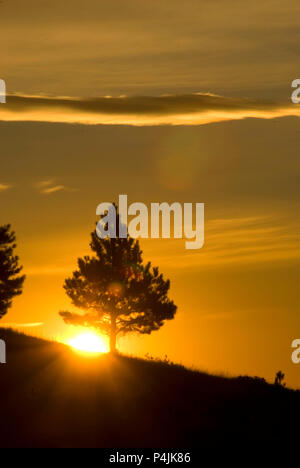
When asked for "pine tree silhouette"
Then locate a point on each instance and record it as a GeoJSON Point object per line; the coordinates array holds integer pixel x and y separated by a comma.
{"type": "Point", "coordinates": [10, 283]}
{"type": "Point", "coordinates": [118, 292]}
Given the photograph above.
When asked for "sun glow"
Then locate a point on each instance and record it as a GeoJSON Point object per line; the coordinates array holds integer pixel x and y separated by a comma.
{"type": "Point", "coordinates": [88, 343]}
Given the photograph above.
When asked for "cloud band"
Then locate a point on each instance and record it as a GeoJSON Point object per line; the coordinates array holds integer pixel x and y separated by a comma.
{"type": "Point", "coordinates": [188, 109]}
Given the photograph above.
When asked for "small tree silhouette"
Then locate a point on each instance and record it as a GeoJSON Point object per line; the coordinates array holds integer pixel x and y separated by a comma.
{"type": "Point", "coordinates": [279, 379]}
{"type": "Point", "coordinates": [118, 292]}
{"type": "Point", "coordinates": [10, 283]}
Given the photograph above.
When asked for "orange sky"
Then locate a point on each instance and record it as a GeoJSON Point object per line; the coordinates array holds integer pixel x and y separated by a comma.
{"type": "Point", "coordinates": [169, 63]}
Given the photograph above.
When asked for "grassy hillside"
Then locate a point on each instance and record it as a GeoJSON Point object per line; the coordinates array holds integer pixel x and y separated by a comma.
{"type": "Point", "coordinates": [53, 397]}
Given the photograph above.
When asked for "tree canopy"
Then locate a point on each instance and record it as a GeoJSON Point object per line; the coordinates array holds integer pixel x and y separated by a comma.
{"type": "Point", "coordinates": [11, 282]}
{"type": "Point", "coordinates": [118, 293]}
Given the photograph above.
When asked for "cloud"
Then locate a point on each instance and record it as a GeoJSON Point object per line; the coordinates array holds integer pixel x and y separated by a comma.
{"type": "Point", "coordinates": [180, 109]}
{"type": "Point", "coordinates": [21, 325]}
{"type": "Point", "coordinates": [45, 183]}
{"type": "Point", "coordinates": [48, 187]}
{"type": "Point", "coordinates": [240, 240]}
{"type": "Point", "coordinates": [56, 188]}
{"type": "Point", "coordinates": [4, 187]}
{"type": "Point", "coordinates": [150, 47]}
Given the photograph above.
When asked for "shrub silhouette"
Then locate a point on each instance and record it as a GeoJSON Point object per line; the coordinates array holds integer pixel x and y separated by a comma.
{"type": "Point", "coordinates": [279, 377]}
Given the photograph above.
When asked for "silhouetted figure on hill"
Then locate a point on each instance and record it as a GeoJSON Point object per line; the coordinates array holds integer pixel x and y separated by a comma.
{"type": "Point", "coordinates": [279, 379]}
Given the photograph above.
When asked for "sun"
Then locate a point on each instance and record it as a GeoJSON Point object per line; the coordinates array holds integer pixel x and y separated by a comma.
{"type": "Point", "coordinates": [88, 342]}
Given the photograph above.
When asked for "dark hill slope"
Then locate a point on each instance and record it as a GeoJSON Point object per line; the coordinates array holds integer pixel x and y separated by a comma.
{"type": "Point", "coordinates": [53, 397]}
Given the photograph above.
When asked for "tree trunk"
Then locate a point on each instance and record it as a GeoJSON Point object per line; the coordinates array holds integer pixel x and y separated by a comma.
{"type": "Point", "coordinates": [113, 335]}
